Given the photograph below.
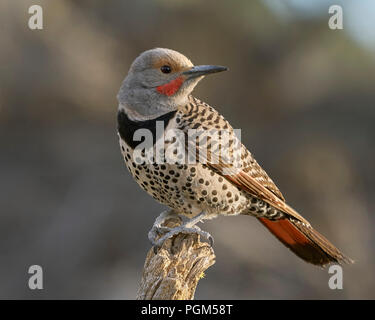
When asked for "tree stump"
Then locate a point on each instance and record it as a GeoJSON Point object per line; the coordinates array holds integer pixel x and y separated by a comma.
{"type": "Point", "coordinates": [174, 271]}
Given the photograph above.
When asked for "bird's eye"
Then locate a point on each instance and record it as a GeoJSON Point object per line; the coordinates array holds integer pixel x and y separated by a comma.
{"type": "Point", "coordinates": [166, 69]}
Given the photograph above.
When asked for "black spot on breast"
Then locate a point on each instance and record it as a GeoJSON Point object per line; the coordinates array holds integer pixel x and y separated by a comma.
{"type": "Point", "coordinates": [127, 127]}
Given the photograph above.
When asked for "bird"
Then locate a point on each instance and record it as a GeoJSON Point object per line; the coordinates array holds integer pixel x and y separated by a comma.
{"type": "Point", "coordinates": [157, 115]}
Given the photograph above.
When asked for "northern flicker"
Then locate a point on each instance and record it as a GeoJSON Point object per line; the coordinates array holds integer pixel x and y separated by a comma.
{"type": "Point", "coordinates": [157, 90]}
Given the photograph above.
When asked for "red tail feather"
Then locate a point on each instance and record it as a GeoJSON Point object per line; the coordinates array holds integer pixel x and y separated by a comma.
{"type": "Point", "coordinates": [304, 241]}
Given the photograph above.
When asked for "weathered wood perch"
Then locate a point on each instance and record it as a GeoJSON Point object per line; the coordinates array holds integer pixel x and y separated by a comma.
{"type": "Point", "coordinates": [174, 271]}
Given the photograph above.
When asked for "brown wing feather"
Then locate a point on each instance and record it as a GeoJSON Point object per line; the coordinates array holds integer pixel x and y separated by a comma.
{"type": "Point", "coordinates": [249, 184]}
{"type": "Point", "coordinates": [190, 116]}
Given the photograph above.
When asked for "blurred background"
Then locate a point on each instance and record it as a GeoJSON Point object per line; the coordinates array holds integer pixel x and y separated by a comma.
{"type": "Point", "coordinates": [302, 94]}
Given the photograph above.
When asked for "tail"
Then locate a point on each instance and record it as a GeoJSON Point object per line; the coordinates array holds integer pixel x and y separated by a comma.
{"type": "Point", "coordinates": [305, 242]}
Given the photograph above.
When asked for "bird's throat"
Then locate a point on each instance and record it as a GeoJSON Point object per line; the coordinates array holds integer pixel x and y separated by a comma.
{"type": "Point", "coordinates": [171, 87]}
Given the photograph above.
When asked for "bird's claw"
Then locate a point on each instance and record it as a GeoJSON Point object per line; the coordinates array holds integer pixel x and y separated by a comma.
{"type": "Point", "coordinates": [187, 227]}
{"type": "Point", "coordinates": [155, 232]}
{"type": "Point", "coordinates": [182, 229]}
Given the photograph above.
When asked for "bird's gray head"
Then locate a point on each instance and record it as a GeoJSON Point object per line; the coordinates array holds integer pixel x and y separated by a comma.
{"type": "Point", "coordinates": [158, 81]}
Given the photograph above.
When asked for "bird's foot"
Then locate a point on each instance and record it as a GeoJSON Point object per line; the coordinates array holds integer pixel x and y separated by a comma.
{"type": "Point", "coordinates": [158, 228]}
{"type": "Point", "coordinates": [187, 227]}
{"type": "Point", "coordinates": [186, 230]}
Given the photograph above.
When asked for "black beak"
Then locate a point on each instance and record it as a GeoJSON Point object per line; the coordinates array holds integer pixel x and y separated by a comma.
{"type": "Point", "coordinates": [198, 71]}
